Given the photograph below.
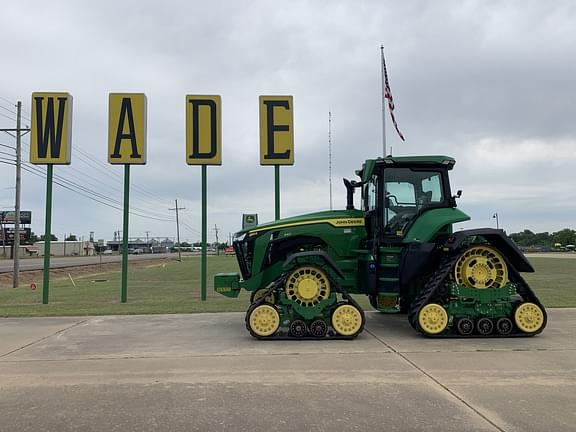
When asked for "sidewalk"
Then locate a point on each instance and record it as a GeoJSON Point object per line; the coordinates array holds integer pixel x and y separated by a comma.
{"type": "Point", "coordinates": [204, 372]}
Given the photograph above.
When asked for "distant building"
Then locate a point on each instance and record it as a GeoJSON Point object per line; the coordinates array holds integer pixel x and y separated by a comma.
{"type": "Point", "coordinates": [65, 248]}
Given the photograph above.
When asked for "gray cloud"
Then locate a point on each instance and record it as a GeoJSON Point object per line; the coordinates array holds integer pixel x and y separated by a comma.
{"type": "Point", "coordinates": [489, 83]}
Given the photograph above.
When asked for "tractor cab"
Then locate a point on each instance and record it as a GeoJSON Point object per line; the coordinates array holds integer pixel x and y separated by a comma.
{"type": "Point", "coordinates": [396, 191]}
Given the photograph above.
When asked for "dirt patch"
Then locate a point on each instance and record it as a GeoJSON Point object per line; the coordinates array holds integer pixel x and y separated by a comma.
{"type": "Point", "coordinates": [36, 276]}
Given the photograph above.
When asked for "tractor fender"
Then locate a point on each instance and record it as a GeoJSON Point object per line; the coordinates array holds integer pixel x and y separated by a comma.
{"type": "Point", "coordinates": [496, 238]}
{"type": "Point", "coordinates": [316, 254]}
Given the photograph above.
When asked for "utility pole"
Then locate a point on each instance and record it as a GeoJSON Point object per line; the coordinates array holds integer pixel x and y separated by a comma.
{"type": "Point", "coordinates": [16, 245]}
{"type": "Point", "coordinates": [16, 277]}
{"type": "Point", "coordinates": [217, 242]}
{"type": "Point", "coordinates": [178, 229]}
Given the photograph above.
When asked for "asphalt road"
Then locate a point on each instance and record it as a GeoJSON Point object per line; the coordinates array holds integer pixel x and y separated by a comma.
{"type": "Point", "coordinates": [204, 372]}
{"type": "Point", "coordinates": [7, 266]}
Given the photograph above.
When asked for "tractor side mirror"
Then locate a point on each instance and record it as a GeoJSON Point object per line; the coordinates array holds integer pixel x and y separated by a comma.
{"type": "Point", "coordinates": [453, 199]}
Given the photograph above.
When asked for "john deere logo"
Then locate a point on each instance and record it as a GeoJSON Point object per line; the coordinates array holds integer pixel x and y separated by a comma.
{"type": "Point", "coordinates": [348, 222]}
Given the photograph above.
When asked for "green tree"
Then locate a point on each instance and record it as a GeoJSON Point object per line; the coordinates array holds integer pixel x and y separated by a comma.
{"type": "Point", "coordinates": [52, 237]}
{"type": "Point", "coordinates": [71, 237]}
{"type": "Point", "coordinates": [565, 237]}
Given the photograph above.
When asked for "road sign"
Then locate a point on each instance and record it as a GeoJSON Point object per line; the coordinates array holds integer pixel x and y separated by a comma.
{"type": "Point", "coordinates": [9, 217]}
{"type": "Point", "coordinates": [127, 128]}
{"type": "Point", "coordinates": [276, 130]}
{"type": "Point", "coordinates": [203, 130]}
{"type": "Point", "coordinates": [249, 220]}
{"type": "Point", "coordinates": [51, 129]}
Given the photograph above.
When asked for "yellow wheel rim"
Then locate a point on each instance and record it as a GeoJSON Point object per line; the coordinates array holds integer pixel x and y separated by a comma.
{"type": "Point", "coordinates": [307, 286]}
{"type": "Point", "coordinates": [264, 320]}
{"type": "Point", "coordinates": [347, 320]}
{"type": "Point", "coordinates": [481, 267]}
{"type": "Point", "coordinates": [433, 318]}
{"type": "Point", "coordinates": [529, 317]}
{"type": "Point", "coordinates": [260, 292]}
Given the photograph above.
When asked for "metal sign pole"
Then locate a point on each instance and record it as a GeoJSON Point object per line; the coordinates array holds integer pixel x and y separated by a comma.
{"type": "Point", "coordinates": [276, 192]}
{"type": "Point", "coordinates": [204, 228]}
{"type": "Point", "coordinates": [124, 295]}
{"type": "Point", "coordinates": [47, 234]}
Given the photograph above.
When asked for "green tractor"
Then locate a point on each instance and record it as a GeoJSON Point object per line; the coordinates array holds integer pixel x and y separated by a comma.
{"type": "Point", "coordinates": [400, 250]}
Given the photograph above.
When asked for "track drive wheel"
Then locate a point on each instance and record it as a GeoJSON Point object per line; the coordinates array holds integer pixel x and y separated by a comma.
{"type": "Point", "coordinates": [529, 317]}
{"type": "Point", "coordinates": [259, 293]}
{"type": "Point", "coordinates": [347, 320]}
{"type": "Point", "coordinates": [480, 267]}
{"type": "Point", "coordinates": [263, 320]}
{"type": "Point", "coordinates": [307, 285]}
{"type": "Point", "coordinates": [433, 319]}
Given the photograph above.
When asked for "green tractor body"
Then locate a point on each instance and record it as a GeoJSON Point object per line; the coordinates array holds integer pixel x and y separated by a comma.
{"type": "Point", "coordinates": [400, 250]}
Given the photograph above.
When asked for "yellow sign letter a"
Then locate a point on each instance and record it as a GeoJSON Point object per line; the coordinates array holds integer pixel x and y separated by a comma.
{"type": "Point", "coordinates": [127, 128]}
{"type": "Point", "coordinates": [126, 114]}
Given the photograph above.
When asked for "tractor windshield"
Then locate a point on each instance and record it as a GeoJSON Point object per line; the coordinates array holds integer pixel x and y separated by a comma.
{"type": "Point", "coordinates": [407, 192]}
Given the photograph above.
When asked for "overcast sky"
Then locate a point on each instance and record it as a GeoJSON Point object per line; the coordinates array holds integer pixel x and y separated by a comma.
{"type": "Point", "coordinates": [492, 84]}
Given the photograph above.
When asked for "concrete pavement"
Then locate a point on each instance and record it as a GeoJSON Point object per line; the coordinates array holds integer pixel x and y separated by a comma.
{"type": "Point", "coordinates": [204, 372]}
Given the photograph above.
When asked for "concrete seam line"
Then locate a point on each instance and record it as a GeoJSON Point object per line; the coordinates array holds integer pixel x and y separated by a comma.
{"type": "Point", "coordinates": [437, 382]}
{"type": "Point", "coordinates": [43, 338]}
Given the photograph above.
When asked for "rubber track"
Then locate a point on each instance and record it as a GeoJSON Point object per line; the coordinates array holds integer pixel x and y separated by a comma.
{"type": "Point", "coordinates": [272, 288]}
{"type": "Point", "coordinates": [430, 289]}
{"type": "Point", "coordinates": [435, 282]}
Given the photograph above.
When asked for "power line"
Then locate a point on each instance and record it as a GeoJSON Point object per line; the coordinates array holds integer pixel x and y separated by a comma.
{"type": "Point", "coordinates": [9, 118]}
{"type": "Point", "coordinates": [6, 109]}
{"type": "Point", "coordinates": [14, 104]}
{"type": "Point", "coordinates": [100, 183]}
{"type": "Point", "coordinates": [40, 173]}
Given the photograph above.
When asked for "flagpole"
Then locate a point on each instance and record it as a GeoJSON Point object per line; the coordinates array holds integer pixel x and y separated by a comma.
{"type": "Point", "coordinates": [383, 102]}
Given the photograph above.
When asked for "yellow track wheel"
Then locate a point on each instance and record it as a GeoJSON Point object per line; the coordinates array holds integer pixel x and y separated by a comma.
{"type": "Point", "coordinates": [433, 319]}
{"type": "Point", "coordinates": [481, 267]}
{"type": "Point", "coordinates": [347, 320]}
{"type": "Point", "coordinates": [259, 293]}
{"type": "Point", "coordinates": [529, 317]}
{"type": "Point", "coordinates": [264, 320]}
{"type": "Point", "coordinates": [307, 286]}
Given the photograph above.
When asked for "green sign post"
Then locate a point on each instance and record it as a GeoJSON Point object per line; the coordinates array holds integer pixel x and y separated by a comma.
{"type": "Point", "coordinates": [126, 146]}
{"type": "Point", "coordinates": [204, 147]}
{"type": "Point", "coordinates": [50, 142]}
{"type": "Point", "coordinates": [47, 235]}
{"type": "Point", "coordinates": [276, 138]}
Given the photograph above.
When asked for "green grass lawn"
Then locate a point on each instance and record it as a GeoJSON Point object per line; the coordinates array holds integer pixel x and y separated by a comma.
{"type": "Point", "coordinates": [174, 287]}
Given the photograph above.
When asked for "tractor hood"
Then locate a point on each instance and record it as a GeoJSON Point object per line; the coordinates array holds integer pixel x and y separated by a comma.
{"type": "Point", "coordinates": [336, 218]}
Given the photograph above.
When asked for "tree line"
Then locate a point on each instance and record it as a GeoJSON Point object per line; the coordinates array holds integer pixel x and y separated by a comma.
{"type": "Point", "coordinates": [556, 240]}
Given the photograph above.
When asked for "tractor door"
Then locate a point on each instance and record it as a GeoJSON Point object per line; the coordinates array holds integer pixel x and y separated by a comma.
{"type": "Point", "coordinates": [406, 193]}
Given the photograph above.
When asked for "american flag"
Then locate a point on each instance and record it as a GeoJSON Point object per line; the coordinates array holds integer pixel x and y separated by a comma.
{"type": "Point", "coordinates": [388, 96]}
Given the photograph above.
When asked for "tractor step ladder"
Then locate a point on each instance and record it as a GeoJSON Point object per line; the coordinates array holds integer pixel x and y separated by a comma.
{"type": "Point", "coordinates": [389, 278]}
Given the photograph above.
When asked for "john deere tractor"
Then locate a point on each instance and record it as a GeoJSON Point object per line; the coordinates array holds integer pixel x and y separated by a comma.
{"type": "Point", "coordinates": [400, 250]}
